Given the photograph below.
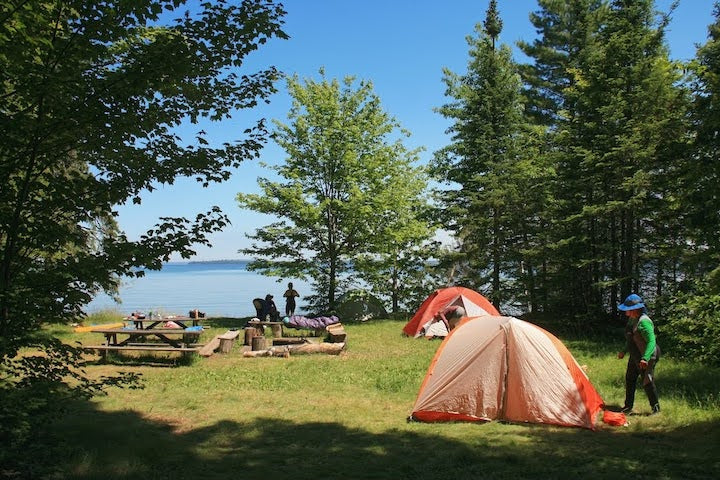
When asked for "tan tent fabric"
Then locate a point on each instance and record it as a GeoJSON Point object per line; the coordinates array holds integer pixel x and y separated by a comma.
{"type": "Point", "coordinates": [467, 378]}
{"type": "Point", "coordinates": [472, 309]}
{"type": "Point", "coordinates": [436, 329]}
{"type": "Point", "coordinates": [505, 368]}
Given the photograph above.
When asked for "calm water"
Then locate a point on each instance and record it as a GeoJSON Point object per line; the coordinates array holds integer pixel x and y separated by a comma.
{"type": "Point", "coordinates": [218, 289]}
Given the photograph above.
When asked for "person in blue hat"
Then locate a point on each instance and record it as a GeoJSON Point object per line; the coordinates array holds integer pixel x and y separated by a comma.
{"type": "Point", "coordinates": [643, 350]}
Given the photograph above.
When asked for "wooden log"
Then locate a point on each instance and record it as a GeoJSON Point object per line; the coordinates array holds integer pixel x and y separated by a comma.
{"type": "Point", "coordinates": [250, 332]}
{"type": "Point", "coordinates": [259, 353]}
{"type": "Point", "coordinates": [276, 330]}
{"type": "Point", "coordinates": [306, 348]}
{"type": "Point", "coordinates": [258, 343]}
{"type": "Point", "coordinates": [329, 348]}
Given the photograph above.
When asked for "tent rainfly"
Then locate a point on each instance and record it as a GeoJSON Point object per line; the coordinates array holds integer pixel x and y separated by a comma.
{"type": "Point", "coordinates": [475, 305]}
{"type": "Point", "coordinates": [502, 368]}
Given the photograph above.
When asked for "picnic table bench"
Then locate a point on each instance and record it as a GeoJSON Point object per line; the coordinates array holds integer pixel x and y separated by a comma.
{"type": "Point", "coordinates": [223, 343]}
{"type": "Point", "coordinates": [149, 340]}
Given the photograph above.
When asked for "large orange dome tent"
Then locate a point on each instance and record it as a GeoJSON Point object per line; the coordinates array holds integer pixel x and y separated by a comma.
{"type": "Point", "coordinates": [475, 305]}
{"type": "Point", "coordinates": [502, 368]}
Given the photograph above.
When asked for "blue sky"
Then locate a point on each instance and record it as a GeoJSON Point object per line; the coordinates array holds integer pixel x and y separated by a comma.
{"type": "Point", "coordinates": [401, 46]}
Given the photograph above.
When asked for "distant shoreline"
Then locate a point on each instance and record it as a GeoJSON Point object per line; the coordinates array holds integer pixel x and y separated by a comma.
{"type": "Point", "coordinates": [216, 261]}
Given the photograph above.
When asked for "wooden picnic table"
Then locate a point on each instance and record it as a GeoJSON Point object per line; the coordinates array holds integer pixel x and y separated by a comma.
{"type": "Point", "coordinates": [156, 339]}
{"type": "Point", "coordinates": [276, 327]}
{"type": "Point", "coordinates": [151, 323]}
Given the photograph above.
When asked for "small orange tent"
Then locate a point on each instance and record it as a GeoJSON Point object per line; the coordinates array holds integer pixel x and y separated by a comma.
{"type": "Point", "coordinates": [474, 304]}
{"type": "Point", "coordinates": [502, 368]}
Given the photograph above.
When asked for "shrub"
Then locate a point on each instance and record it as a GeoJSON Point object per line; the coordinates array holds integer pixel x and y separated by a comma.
{"type": "Point", "coordinates": [692, 324]}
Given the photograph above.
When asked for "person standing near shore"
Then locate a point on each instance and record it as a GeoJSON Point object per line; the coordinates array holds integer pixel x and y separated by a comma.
{"type": "Point", "coordinates": [641, 344]}
{"type": "Point", "coordinates": [290, 295]}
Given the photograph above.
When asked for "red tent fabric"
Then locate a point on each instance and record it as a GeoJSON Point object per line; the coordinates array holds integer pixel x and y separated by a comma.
{"type": "Point", "coordinates": [503, 368]}
{"type": "Point", "coordinates": [475, 305]}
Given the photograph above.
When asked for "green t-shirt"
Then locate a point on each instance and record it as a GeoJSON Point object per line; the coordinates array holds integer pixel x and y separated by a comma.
{"type": "Point", "coordinates": [643, 336]}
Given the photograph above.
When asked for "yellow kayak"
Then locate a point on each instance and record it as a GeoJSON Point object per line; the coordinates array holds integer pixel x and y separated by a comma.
{"type": "Point", "coordinates": [93, 327]}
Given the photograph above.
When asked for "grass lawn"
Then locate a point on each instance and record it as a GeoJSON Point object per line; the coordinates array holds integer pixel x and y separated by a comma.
{"type": "Point", "coordinates": [322, 416]}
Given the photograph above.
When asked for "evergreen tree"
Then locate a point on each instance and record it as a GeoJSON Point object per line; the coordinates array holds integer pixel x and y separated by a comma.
{"type": "Point", "coordinates": [493, 23]}
{"type": "Point", "coordinates": [701, 176]}
{"type": "Point", "coordinates": [636, 115]}
{"type": "Point", "coordinates": [565, 28]}
{"type": "Point", "coordinates": [617, 127]}
{"type": "Point", "coordinates": [691, 307]}
{"type": "Point", "coordinates": [485, 206]}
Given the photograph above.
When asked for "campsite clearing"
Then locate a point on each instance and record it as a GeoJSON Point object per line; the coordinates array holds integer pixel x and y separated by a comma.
{"type": "Point", "coordinates": [310, 416]}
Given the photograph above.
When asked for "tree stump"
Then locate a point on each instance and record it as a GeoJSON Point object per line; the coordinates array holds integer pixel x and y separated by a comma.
{"type": "Point", "coordinates": [250, 332]}
{"type": "Point", "coordinates": [258, 343]}
{"type": "Point", "coordinates": [225, 345]}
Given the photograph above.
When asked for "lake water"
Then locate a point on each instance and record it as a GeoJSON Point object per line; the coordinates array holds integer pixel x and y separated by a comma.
{"type": "Point", "coordinates": [218, 289]}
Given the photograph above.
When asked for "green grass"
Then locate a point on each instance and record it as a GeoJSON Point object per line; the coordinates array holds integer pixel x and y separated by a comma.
{"type": "Point", "coordinates": [322, 416]}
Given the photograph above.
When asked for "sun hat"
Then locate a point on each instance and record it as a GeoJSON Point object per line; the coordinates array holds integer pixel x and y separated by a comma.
{"type": "Point", "coordinates": [632, 302]}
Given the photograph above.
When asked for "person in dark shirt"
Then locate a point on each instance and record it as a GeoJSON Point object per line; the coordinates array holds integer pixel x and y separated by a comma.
{"type": "Point", "coordinates": [270, 312]}
{"type": "Point", "coordinates": [290, 295]}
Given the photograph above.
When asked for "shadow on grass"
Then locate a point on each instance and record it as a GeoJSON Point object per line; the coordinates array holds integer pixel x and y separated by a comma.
{"type": "Point", "coordinates": [167, 360]}
{"type": "Point", "coordinates": [698, 386]}
{"type": "Point", "coordinates": [124, 445]}
{"type": "Point", "coordinates": [682, 381]}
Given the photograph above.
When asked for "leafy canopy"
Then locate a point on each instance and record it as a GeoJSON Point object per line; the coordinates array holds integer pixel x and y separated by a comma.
{"type": "Point", "coordinates": [91, 95]}
{"type": "Point", "coordinates": [345, 179]}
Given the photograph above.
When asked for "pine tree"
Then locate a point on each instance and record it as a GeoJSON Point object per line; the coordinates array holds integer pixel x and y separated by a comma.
{"type": "Point", "coordinates": [636, 114]}
{"type": "Point", "coordinates": [616, 118]}
{"type": "Point", "coordinates": [565, 28]}
{"type": "Point", "coordinates": [690, 311]}
{"type": "Point", "coordinates": [486, 207]}
{"type": "Point", "coordinates": [701, 178]}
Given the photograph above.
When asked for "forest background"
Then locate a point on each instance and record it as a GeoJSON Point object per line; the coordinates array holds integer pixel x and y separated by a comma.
{"type": "Point", "coordinates": [570, 181]}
